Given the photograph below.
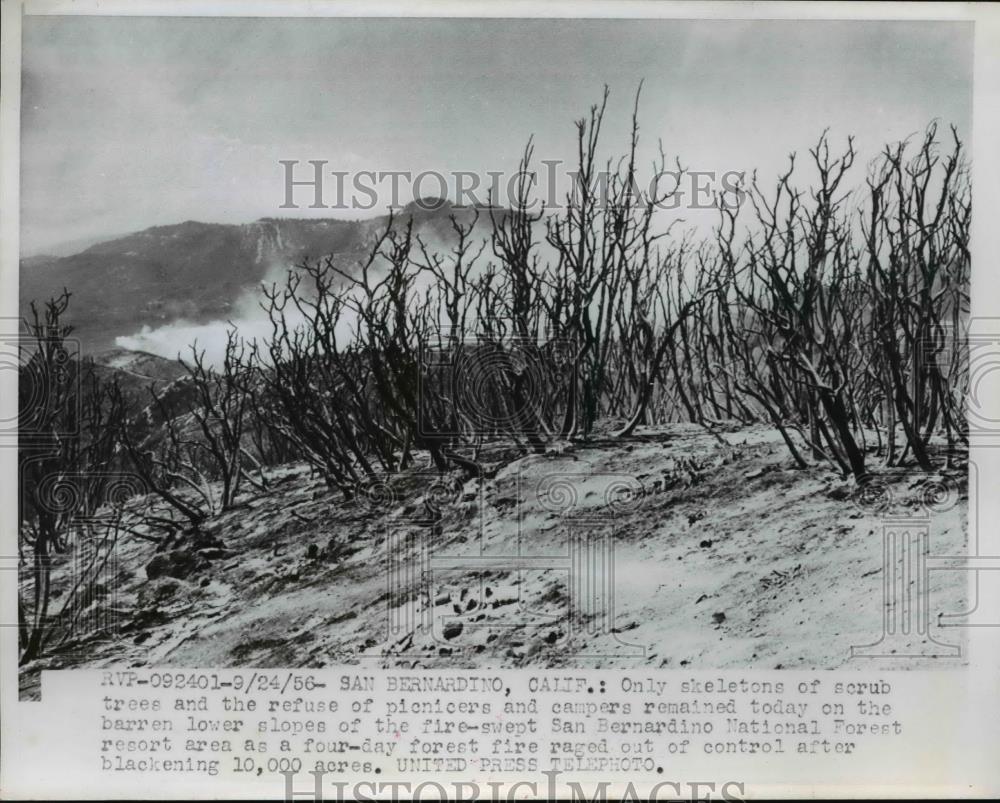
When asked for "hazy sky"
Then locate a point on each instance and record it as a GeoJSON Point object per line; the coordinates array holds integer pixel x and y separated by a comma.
{"type": "Point", "coordinates": [130, 122]}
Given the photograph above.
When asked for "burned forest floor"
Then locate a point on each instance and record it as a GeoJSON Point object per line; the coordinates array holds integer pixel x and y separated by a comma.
{"type": "Point", "coordinates": [679, 548]}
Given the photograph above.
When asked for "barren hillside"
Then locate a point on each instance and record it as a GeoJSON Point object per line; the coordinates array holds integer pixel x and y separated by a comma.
{"type": "Point", "coordinates": [727, 554]}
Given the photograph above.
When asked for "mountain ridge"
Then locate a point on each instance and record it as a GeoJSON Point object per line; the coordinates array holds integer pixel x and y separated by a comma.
{"type": "Point", "coordinates": [197, 272]}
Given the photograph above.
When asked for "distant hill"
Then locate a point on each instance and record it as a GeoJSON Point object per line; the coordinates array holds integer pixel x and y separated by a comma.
{"type": "Point", "coordinates": [195, 271]}
{"type": "Point", "coordinates": [137, 370]}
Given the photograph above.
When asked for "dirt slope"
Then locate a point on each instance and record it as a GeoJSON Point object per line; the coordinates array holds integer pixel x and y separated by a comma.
{"type": "Point", "coordinates": [723, 556]}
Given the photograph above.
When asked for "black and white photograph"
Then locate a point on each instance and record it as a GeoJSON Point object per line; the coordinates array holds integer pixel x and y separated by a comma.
{"type": "Point", "coordinates": [481, 343]}
{"type": "Point", "coordinates": [644, 396]}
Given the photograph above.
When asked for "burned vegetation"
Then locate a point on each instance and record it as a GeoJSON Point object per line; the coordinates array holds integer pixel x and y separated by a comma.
{"type": "Point", "coordinates": [826, 307]}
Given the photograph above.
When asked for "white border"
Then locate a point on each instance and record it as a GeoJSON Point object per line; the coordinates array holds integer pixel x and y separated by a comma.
{"type": "Point", "coordinates": [976, 692]}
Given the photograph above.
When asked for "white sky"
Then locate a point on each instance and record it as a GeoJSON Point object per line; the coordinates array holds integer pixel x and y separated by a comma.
{"type": "Point", "coordinates": [129, 122]}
